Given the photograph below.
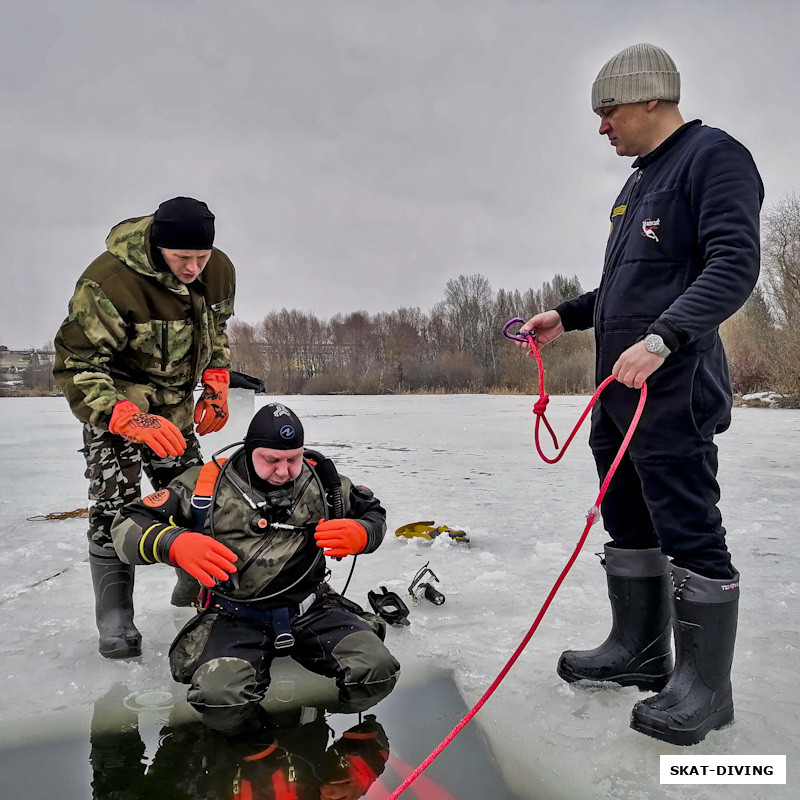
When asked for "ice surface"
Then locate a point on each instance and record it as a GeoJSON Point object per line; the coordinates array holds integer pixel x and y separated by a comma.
{"type": "Point", "coordinates": [466, 461]}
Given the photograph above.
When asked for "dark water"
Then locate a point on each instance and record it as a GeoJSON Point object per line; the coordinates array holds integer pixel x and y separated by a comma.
{"type": "Point", "coordinates": [148, 745]}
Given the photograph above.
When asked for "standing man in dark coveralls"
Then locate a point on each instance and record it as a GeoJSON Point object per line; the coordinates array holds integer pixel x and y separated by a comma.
{"type": "Point", "coordinates": [682, 256]}
{"type": "Point", "coordinates": [146, 322]}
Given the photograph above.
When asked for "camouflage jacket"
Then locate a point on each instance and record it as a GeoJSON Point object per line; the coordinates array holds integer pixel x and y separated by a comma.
{"type": "Point", "coordinates": [283, 562]}
{"type": "Point", "coordinates": [137, 333]}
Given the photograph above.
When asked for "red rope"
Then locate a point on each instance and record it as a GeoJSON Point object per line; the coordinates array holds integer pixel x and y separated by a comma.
{"type": "Point", "coordinates": [591, 518]}
{"type": "Point", "coordinates": [540, 406]}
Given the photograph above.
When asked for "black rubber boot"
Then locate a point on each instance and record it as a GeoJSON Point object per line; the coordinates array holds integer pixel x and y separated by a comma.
{"type": "Point", "coordinates": [113, 605]}
{"type": "Point", "coordinates": [638, 650]}
{"type": "Point", "coordinates": [186, 589]}
{"type": "Point", "coordinates": [698, 697]}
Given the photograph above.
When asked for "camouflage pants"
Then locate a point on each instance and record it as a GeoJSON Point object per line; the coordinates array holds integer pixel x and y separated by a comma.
{"type": "Point", "coordinates": [114, 469]}
{"type": "Point", "coordinates": [226, 661]}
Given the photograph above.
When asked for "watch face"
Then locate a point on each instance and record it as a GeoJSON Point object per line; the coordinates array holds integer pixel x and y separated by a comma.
{"type": "Point", "coordinates": [654, 343]}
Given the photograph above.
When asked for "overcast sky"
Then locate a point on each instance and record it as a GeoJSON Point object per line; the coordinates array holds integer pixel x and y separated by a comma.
{"type": "Point", "coordinates": [357, 155]}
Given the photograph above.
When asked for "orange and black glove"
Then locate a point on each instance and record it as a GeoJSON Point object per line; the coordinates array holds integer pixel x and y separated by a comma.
{"type": "Point", "coordinates": [340, 537]}
{"type": "Point", "coordinates": [202, 557]}
{"type": "Point", "coordinates": [159, 434]}
{"type": "Point", "coordinates": [211, 411]}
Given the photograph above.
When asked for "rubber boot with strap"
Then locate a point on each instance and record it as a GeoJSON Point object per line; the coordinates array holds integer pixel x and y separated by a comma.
{"type": "Point", "coordinates": [638, 650]}
{"type": "Point", "coordinates": [113, 604]}
{"type": "Point", "coordinates": [698, 697]}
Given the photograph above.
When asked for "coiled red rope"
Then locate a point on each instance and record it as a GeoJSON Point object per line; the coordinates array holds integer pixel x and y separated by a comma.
{"type": "Point", "coordinates": [539, 410]}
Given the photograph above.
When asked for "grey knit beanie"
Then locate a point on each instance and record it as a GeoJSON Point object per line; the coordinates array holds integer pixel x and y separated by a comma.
{"type": "Point", "coordinates": [638, 74]}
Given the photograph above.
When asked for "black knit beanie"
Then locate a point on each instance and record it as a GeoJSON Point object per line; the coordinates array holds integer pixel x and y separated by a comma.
{"type": "Point", "coordinates": [274, 426]}
{"type": "Point", "coordinates": [183, 223]}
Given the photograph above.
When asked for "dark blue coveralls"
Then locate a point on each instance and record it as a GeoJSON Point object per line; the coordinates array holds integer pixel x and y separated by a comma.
{"type": "Point", "coordinates": [682, 256]}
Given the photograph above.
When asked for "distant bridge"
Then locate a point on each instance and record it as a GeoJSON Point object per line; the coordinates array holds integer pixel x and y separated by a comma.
{"type": "Point", "coordinates": [12, 361]}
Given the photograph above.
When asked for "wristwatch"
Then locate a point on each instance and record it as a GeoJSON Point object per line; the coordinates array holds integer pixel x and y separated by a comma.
{"type": "Point", "coordinates": [655, 344]}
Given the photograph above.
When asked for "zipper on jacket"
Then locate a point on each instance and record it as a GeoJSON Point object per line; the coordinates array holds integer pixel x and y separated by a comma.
{"type": "Point", "coordinates": [610, 265]}
{"type": "Point", "coordinates": [164, 337]}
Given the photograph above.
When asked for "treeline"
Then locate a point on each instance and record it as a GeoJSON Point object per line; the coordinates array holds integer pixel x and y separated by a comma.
{"type": "Point", "coordinates": [457, 346]}
{"type": "Point", "coordinates": [763, 339]}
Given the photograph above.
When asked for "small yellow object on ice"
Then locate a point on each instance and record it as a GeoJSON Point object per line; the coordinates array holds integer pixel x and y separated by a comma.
{"type": "Point", "coordinates": [428, 529]}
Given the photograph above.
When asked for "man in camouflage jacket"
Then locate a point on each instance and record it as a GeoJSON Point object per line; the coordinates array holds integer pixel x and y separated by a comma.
{"type": "Point", "coordinates": [271, 516]}
{"type": "Point", "coordinates": [146, 323]}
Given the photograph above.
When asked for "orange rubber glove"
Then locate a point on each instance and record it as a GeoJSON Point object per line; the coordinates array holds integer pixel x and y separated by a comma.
{"type": "Point", "coordinates": [340, 537]}
{"type": "Point", "coordinates": [211, 411]}
{"type": "Point", "coordinates": [159, 434]}
{"type": "Point", "coordinates": [202, 557]}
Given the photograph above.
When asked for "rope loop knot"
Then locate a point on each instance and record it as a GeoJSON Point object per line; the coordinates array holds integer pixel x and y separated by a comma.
{"type": "Point", "coordinates": [540, 406]}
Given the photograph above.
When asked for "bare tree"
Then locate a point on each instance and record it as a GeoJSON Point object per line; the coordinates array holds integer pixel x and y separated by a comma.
{"type": "Point", "coordinates": [781, 276]}
{"type": "Point", "coordinates": [472, 313]}
{"type": "Point", "coordinates": [295, 348]}
{"type": "Point", "coordinates": [780, 258]}
{"type": "Point", "coordinates": [401, 334]}
{"type": "Point", "coordinates": [749, 337]}
{"type": "Point", "coordinates": [358, 351]}
{"type": "Point", "coordinates": [247, 350]}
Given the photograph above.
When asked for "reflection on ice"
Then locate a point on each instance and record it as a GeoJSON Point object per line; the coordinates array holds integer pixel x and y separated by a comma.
{"type": "Point", "coordinates": [149, 744]}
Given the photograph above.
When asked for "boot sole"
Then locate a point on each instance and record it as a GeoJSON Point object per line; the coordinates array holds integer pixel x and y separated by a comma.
{"type": "Point", "coordinates": [125, 649]}
{"type": "Point", "coordinates": [646, 683]}
{"type": "Point", "coordinates": [121, 654]}
{"type": "Point", "coordinates": [683, 737]}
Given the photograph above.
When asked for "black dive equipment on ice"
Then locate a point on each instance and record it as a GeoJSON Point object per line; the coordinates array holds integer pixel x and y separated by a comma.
{"type": "Point", "coordinates": [419, 587]}
{"type": "Point", "coordinates": [389, 606]}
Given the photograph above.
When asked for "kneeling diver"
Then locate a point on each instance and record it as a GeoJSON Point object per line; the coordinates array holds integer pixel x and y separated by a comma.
{"type": "Point", "coordinates": [255, 530]}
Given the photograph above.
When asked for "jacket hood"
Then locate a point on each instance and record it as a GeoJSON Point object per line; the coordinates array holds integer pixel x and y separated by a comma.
{"type": "Point", "coordinates": [129, 241]}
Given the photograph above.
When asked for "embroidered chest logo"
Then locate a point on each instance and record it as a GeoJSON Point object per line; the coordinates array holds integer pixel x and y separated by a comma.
{"type": "Point", "coordinates": [649, 227]}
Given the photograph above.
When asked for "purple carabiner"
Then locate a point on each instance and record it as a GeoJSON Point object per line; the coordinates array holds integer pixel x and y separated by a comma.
{"type": "Point", "coordinates": [520, 336]}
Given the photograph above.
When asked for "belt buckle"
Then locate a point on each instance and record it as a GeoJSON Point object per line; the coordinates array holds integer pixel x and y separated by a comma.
{"type": "Point", "coordinates": [304, 605]}
{"type": "Point", "coordinates": [284, 640]}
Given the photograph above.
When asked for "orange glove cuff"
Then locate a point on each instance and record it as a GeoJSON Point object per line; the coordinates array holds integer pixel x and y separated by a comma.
{"type": "Point", "coordinates": [211, 411]}
{"type": "Point", "coordinates": [120, 415]}
{"type": "Point", "coordinates": [217, 377]}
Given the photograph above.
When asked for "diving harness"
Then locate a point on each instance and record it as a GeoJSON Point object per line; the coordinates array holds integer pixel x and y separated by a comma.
{"type": "Point", "coordinates": [277, 505]}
